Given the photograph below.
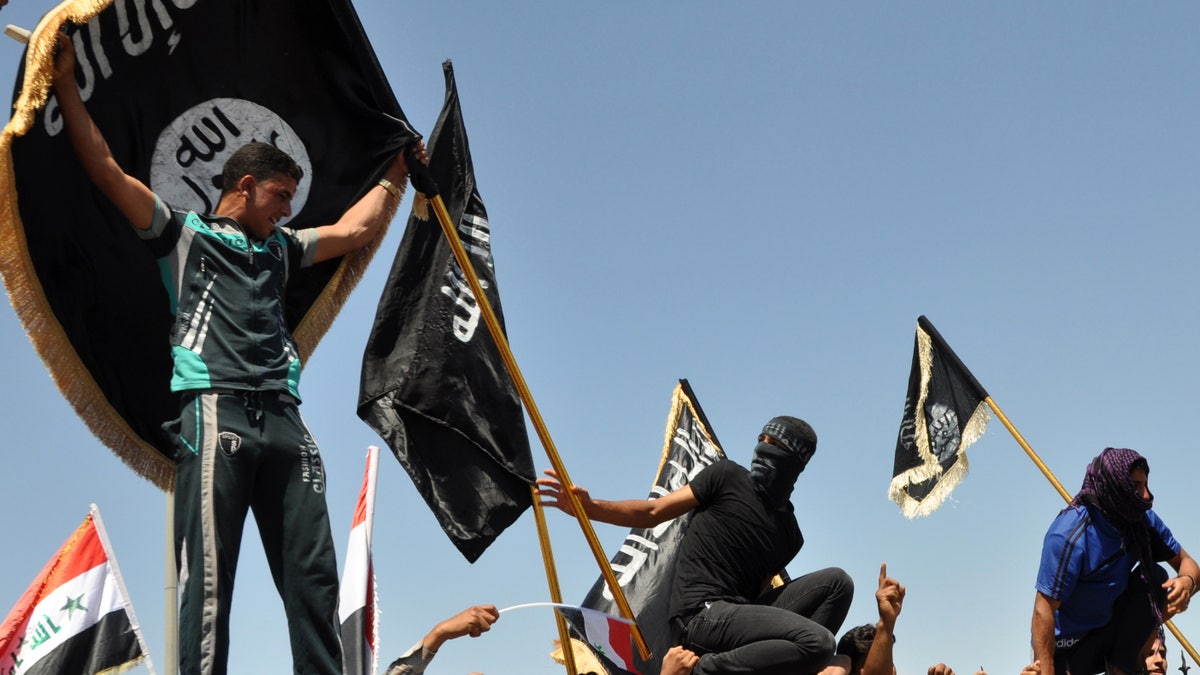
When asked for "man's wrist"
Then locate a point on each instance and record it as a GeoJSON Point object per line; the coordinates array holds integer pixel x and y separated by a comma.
{"type": "Point", "coordinates": [391, 188]}
{"type": "Point", "coordinates": [1192, 588]}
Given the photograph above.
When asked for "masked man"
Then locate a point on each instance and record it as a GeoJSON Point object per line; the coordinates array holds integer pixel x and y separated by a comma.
{"type": "Point", "coordinates": [743, 532]}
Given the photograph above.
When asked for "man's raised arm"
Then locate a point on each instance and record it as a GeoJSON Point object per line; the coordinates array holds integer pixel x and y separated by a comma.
{"type": "Point", "coordinates": [131, 196]}
{"type": "Point", "coordinates": [362, 221]}
{"type": "Point", "coordinates": [889, 599]}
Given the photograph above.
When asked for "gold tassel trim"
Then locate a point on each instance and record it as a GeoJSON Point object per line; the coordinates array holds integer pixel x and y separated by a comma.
{"type": "Point", "coordinates": [420, 207]}
{"type": "Point", "coordinates": [20, 280]}
{"type": "Point", "coordinates": [931, 467]}
{"type": "Point", "coordinates": [585, 660]}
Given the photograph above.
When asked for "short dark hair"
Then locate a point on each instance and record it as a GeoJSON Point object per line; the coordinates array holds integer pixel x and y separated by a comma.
{"type": "Point", "coordinates": [855, 643]}
{"type": "Point", "coordinates": [263, 161]}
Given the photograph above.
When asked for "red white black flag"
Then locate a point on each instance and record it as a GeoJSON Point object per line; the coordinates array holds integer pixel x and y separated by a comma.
{"type": "Point", "coordinates": [608, 636]}
{"type": "Point", "coordinates": [76, 616]}
{"type": "Point", "coordinates": [358, 612]}
{"type": "Point", "coordinates": [944, 413]}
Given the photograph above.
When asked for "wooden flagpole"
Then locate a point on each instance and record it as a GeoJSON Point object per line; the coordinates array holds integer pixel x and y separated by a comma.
{"type": "Point", "coordinates": [171, 593]}
{"type": "Point", "coordinates": [510, 363]}
{"type": "Point", "coordinates": [564, 636]}
{"type": "Point", "coordinates": [1187, 646]}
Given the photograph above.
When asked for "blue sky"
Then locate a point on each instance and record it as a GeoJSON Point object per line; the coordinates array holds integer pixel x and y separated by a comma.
{"type": "Point", "coordinates": [762, 198]}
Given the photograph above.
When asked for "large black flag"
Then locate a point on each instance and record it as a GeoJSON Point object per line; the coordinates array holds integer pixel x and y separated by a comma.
{"type": "Point", "coordinates": [645, 564]}
{"type": "Point", "coordinates": [944, 413]}
{"type": "Point", "coordinates": [433, 382]}
{"type": "Point", "coordinates": [176, 88]}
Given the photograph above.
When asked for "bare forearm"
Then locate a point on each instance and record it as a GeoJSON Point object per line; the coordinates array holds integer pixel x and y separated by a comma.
{"type": "Point", "coordinates": [1188, 566]}
{"type": "Point", "coordinates": [437, 637]}
{"type": "Point", "coordinates": [361, 223]}
{"type": "Point", "coordinates": [90, 147]}
{"type": "Point", "coordinates": [369, 213]}
{"type": "Point", "coordinates": [131, 197]}
{"type": "Point", "coordinates": [627, 512]}
{"type": "Point", "coordinates": [879, 656]}
{"type": "Point", "coordinates": [1042, 635]}
{"type": "Point", "coordinates": [377, 206]}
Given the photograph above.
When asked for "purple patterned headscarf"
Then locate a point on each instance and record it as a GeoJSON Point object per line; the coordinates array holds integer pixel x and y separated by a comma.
{"type": "Point", "coordinates": [1108, 486]}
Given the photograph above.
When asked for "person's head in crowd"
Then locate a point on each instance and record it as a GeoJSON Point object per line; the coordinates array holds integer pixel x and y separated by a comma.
{"type": "Point", "coordinates": [784, 448]}
{"type": "Point", "coordinates": [1156, 660]}
{"type": "Point", "coordinates": [854, 644]}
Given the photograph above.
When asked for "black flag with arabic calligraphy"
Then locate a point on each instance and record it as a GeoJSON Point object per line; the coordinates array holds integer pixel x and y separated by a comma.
{"type": "Point", "coordinates": [433, 385]}
{"type": "Point", "coordinates": [944, 413]}
{"type": "Point", "coordinates": [176, 88]}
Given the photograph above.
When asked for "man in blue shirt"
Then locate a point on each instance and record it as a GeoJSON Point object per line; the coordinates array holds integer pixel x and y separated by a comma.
{"type": "Point", "coordinates": [1094, 610]}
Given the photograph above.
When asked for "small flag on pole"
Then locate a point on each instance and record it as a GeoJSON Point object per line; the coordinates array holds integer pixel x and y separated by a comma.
{"type": "Point", "coordinates": [944, 413]}
{"type": "Point", "coordinates": [358, 611]}
{"type": "Point", "coordinates": [76, 616]}
{"type": "Point", "coordinates": [608, 636]}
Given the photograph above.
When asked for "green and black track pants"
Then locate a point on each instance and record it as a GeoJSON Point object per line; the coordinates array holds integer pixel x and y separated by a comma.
{"type": "Point", "coordinates": [239, 451]}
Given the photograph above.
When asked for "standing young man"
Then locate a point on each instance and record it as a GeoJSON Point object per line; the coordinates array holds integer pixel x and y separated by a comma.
{"type": "Point", "coordinates": [743, 531]}
{"type": "Point", "coordinates": [1093, 611]}
{"type": "Point", "coordinates": [240, 441]}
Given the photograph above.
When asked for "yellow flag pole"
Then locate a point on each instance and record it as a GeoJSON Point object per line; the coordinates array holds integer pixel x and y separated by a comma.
{"type": "Point", "coordinates": [510, 363]}
{"type": "Point", "coordinates": [1187, 646]}
{"type": "Point", "coordinates": [1028, 450]}
{"type": "Point", "coordinates": [564, 637]}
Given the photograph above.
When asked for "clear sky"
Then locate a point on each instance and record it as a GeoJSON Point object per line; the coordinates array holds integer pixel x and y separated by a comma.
{"type": "Point", "coordinates": [762, 198]}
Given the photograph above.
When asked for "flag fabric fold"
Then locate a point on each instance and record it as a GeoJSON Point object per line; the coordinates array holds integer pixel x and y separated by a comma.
{"type": "Point", "coordinates": [433, 385]}
{"type": "Point", "coordinates": [609, 637]}
{"type": "Point", "coordinates": [645, 564]}
{"type": "Point", "coordinates": [358, 607]}
{"type": "Point", "coordinates": [75, 617]}
{"type": "Point", "coordinates": [175, 91]}
{"type": "Point", "coordinates": [944, 413]}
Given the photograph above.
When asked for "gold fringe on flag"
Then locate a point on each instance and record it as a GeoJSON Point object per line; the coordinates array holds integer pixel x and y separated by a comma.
{"type": "Point", "coordinates": [21, 282]}
{"type": "Point", "coordinates": [931, 467]}
{"type": "Point", "coordinates": [420, 207]}
{"type": "Point", "coordinates": [585, 660]}
{"type": "Point", "coordinates": [29, 299]}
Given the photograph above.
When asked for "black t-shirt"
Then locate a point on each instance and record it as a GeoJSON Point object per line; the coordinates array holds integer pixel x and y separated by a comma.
{"type": "Point", "coordinates": [734, 543]}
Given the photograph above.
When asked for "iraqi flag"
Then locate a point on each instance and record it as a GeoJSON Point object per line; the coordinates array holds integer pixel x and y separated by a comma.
{"type": "Point", "coordinates": [75, 617]}
{"type": "Point", "coordinates": [608, 636]}
{"type": "Point", "coordinates": [945, 412]}
{"type": "Point", "coordinates": [645, 564]}
{"type": "Point", "coordinates": [176, 88]}
{"type": "Point", "coordinates": [434, 385]}
{"type": "Point", "coordinates": [358, 611]}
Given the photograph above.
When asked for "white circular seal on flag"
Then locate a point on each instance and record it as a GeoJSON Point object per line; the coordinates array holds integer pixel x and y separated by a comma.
{"type": "Point", "coordinates": [185, 171]}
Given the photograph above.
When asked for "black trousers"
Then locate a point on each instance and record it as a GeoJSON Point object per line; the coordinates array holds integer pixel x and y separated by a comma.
{"type": "Point", "coordinates": [787, 630]}
{"type": "Point", "coordinates": [1120, 641]}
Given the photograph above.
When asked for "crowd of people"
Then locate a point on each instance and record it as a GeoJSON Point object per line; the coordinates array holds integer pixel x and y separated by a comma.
{"type": "Point", "coordinates": [1101, 595]}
